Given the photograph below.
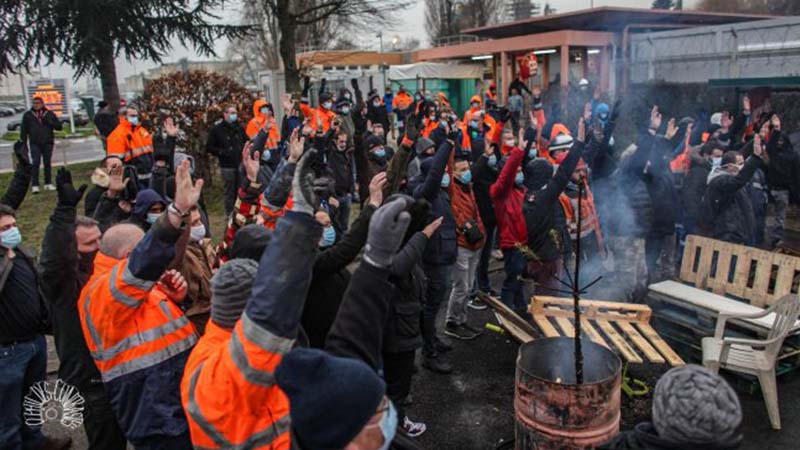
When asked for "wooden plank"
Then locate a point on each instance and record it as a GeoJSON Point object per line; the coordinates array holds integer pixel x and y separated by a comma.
{"type": "Point", "coordinates": [742, 272]}
{"type": "Point", "coordinates": [547, 328]}
{"type": "Point", "coordinates": [704, 268]}
{"type": "Point", "coordinates": [758, 295]}
{"type": "Point", "coordinates": [566, 326]}
{"type": "Point", "coordinates": [601, 303]}
{"type": "Point", "coordinates": [783, 282]}
{"type": "Point", "coordinates": [688, 259]}
{"type": "Point", "coordinates": [592, 309]}
{"type": "Point", "coordinates": [590, 331]}
{"type": "Point", "coordinates": [515, 332]}
{"type": "Point", "coordinates": [720, 281]}
{"type": "Point", "coordinates": [627, 352]}
{"type": "Point", "coordinates": [648, 350]}
{"type": "Point", "coordinates": [662, 346]}
{"type": "Point", "coordinates": [509, 314]}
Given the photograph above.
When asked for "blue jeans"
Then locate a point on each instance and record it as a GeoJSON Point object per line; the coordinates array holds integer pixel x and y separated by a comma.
{"type": "Point", "coordinates": [343, 212]}
{"type": "Point", "coordinates": [21, 366]}
{"type": "Point", "coordinates": [514, 264]}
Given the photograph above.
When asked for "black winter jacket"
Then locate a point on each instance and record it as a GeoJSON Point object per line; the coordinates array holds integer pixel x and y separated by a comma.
{"type": "Point", "coordinates": [657, 151]}
{"type": "Point", "coordinates": [442, 248]}
{"type": "Point", "coordinates": [403, 333]}
{"type": "Point", "coordinates": [39, 130]}
{"type": "Point", "coordinates": [731, 213]}
{"type": "Point", "coordinates": [485, 176]}
{"type": "Point", "coordinates": [694, 187]}
{"type": "Point", "coordinates": [783, 172]}
{"type": "Point", "coordinates": [63, 273]}
{"type": "Point", "coordinates": [543, 212]}
{"type": "Point", "coordinates": [330, 278]}
{"type": "Point", "coordinates": [340, 167]}
{"type": "Point", "coordinates": [226, 141]}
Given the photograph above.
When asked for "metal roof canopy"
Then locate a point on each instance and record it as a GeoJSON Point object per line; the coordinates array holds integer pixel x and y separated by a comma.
{"type": "Point", "coordinates": [608, 18]}
{"type": "Point", "coordinates": [777, 83]}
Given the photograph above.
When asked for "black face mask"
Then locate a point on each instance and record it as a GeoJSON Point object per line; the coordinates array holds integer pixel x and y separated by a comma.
{"type": "Point", "coordinates": [86, 262]}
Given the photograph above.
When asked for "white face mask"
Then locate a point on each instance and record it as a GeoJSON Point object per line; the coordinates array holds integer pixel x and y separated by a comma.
{"type": "Point", "coordinates": [509, 142]}
{"type": "Point", "coordinates": [197, 233]}
{"type": "Point", "coordinates": [716, 162]}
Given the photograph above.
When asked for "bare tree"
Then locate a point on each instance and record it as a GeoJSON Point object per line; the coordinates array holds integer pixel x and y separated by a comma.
{"type": "Point", "coordinates": [440, 19]}
{"type": "Point", "coordinates": [448, 17]}
{"type": "Point", "coordinates": [311, 21]}
{"type": "Point", "coordinates": [773, 7]}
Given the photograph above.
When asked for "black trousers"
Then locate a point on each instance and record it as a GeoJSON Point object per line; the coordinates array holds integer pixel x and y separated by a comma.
{"type": "Point", "coordinates": [398, 370]}
{"type": "Point", "coordinates": [41, 153]}
{"type": "Point", "coordinates": [99, 420]}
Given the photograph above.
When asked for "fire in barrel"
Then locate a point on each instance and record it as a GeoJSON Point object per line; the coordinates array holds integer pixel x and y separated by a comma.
{"type": "Point", "coordinates": [553, 411]}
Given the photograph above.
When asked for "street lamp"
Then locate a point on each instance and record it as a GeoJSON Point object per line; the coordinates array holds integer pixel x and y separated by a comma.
{"type": "Point", "coordinates": [380, 55]}
{"type": "Point", "coordinates": [395, 42]}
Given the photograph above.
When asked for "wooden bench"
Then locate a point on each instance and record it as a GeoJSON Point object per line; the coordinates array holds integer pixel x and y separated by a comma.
{"type": "Point", "coordinates": [720, 277]}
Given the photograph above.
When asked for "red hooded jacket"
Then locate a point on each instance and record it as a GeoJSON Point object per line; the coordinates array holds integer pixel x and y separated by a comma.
{"type": "Point", "coordinates": [507, 199]}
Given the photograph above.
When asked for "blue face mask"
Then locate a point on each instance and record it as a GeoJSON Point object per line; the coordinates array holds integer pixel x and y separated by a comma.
{"type": "Point", "coordinates": [473, 123]}
{"type": "Point", "coordinates": [232, 118]}
{"type": "Point", "coordinates": [388, 427]}
{"type": "Point", "coordinates": [134, 120]}
{"type": "Point", "coordinates": [519, 178]}
{"type": "Point", "coordinates": [346, 110]}
{"type": "Point", "coordinates": [328, 236]}
{"type": "Point", "coordinates": [492, 160]}
{"type": "Point", "coordinates": [380, 153]}
{"type": "Point", "coordinates": [263, 110]}
{"type": "Point", "coordinates": [152, 217]}
{"type": "Point", "coordinates": [11, 238]}
{"type": "Point", "coordinates": [266, 156]}
{"type": "Point", "coordinates": [446, 180]}
{"type": "Point", "coordinates": [466, 177]}
{"type": "Point", "coordinates": [532, 153]}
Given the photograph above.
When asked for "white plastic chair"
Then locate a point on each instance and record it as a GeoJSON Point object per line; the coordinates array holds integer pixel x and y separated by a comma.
{"type": "Point", "coordinates": [754, 356]}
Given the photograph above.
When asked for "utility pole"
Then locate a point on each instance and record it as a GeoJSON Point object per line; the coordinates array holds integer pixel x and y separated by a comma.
{"type": "Point", "coordinates": [380, 54]}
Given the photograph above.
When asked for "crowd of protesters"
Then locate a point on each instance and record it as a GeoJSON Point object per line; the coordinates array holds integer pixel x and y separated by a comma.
{"type": "Point", "coordinates": [270, 338]}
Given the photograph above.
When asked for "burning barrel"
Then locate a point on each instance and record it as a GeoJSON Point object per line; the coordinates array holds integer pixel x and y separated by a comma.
{"type": "Point", "coordinates": [553, 412]}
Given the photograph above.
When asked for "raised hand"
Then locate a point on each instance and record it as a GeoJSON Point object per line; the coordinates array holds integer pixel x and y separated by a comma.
{"type": "Point", "coordinates": [655, 118]}
{"type": "Point", "coordinates": [296, 146]}
{"type": "Point", "coordinates": [21, 152]}
{"type": "Point", "coordinates": [726, 121]}
{"type": "Point", "coordinates": [412, 131]}
{"type": "Point", "coordinates": [587, 112]}
{"type": "Point", "coordinates": [775, 121]}
{"type": "Point", "coordinates": [170, 128]}
{"type": "Point", "coordinates": [615, 110]}
{"type": "Point", "coordinates": [173, 285]}
{"type": "Point", "coordinates": [251, 162]}
{"type": "Point", "coordinates": [672, 130]}
{"type": "Point", "coordinates": [432, 227]}
{"type": "Point", "coordinates": [376, 189]}
{"type": "Point", "coordinates": [187, 192]}
{"type": "Point", "coordinates": [537, 91]}
{"type": "Point", "coordinates": [581, 130]}
{"type": "Point", "coordinates": [534, 121]}
{"type": "Point", "coordinates": [758, 148]}
{"type": "Point", "coordinates": [286, 101]}
{"type": "Point", "coordinates": [387, 228]}
{"type": "Point", "coordinates": [523, 144]}
{"type": "Point", "coordinates": [67, 194]}
{"type": "Point", "coordinates": [746, 104]}
{"type": "Point", "coordinates": [116, 183]}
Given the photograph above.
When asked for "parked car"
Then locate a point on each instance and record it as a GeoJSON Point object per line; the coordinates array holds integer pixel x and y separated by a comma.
{"type": "Point", "coordinates": [14, 125]}
{"type": "Point", "coordinates": [6, 111]}
{"type": "Point", "coordinates": [17, 107]}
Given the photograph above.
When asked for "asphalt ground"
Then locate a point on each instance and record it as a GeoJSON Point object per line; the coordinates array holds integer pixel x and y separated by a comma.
{"type": "Point", "coordinates": [472, 408]}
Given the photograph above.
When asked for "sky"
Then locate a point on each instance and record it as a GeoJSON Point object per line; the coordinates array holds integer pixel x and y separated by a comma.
{"type": "Point", "coordinates": [411, 19]}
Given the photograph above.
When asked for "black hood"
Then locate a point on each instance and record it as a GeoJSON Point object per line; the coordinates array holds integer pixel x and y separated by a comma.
{"type": "Point", "coordinates": [537, 173]}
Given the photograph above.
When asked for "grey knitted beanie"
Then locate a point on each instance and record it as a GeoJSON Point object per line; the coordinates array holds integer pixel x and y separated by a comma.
{"type": "Point", "coordinates": [692, 405]}
{"type": "Point", "coordinates": [230, 290]}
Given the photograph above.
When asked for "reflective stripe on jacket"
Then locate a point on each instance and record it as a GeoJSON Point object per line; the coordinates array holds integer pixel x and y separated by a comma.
{"type": "Point", "coordinates": [128, 324]}
{"type": "Point", "coordinates": [233, 371]}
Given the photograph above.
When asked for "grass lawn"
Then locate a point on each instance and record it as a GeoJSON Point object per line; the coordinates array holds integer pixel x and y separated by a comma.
{"type": "Point", "coordinates": [35, 211]}
{"type": "Point", "coordinates": [63, 134]}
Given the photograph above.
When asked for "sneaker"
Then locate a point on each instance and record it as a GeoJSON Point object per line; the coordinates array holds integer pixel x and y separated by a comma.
{"type": "Point", "coordinates": [413, 429]}
{"type": "Point", "coordinates": [437, 364]}
{"type": "Point", "coordinates": [459, 331]}
{"type": "Point", "coordinates": [35, 189]}
{"type": "Point", "coordinates": [477, 304]}
{"type": "Point", "coordinates": [49, 187]}
{"type": "Point", "coordinates": [497, 254]}
{"type": "Point", "coordinates": [441, 346]}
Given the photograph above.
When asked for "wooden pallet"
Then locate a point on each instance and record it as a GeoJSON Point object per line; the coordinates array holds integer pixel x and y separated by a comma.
{"type": "Point", "coordinates": [622, 327]}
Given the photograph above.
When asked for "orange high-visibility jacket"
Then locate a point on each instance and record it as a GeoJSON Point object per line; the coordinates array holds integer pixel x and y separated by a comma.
{"type": "Point", "coordinates": [321, 115]}
{"type": "Point", "coordinates": [228, 388]}
{"type": "Point", "coordinates": [257, 123]}
{"type": "Point", "coordinates": [468, 113]}
{"type": "Point", "coordinates": [129, 142]}
{"type": "Point", "coordinates": [129, 325]}
{"type": "Point", "coordinates": [402, 100]}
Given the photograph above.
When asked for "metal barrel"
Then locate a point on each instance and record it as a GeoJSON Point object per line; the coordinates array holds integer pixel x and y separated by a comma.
{"type": "Point", "coordinates": [552, 411]}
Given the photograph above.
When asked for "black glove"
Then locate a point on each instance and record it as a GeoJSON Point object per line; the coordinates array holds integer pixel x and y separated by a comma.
{"type": "Point", "coordinates": [354, 83]}
{"type": "Point", "coordinates": [304, 188]}
{"type": "Point", "coordinates": [412, 130]}
{"type": "Point", "coordinates": [306, 83]}
{"type": "Point", "coordinates": [615, 111]}
{"type": "Point", "coordinates": [505, 115]}
{"type": "Point", "coordinates": [453, 134]}
{"type": "Point", "coordinates": [387, 229]}
{"type": "Point", "coordinates": [67, 195]}
{"type": "Point", "coordinates": [21, 152]}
